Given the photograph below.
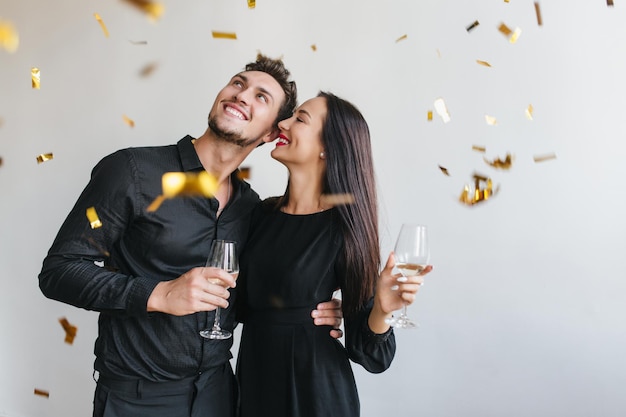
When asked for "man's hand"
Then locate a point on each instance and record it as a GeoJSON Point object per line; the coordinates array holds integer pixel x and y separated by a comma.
{"type": "Point", "coordinates": [199, 289]}
{"type": "Point", "coordinates": [329, 314]}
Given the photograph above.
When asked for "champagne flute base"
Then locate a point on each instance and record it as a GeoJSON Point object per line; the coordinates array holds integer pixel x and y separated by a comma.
{"type": "Point", "coordinates": [216, 334]}
{"type": "Point", "coordinates": [401, 322]}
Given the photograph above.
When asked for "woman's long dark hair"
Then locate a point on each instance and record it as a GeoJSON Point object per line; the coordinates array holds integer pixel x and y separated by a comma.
{"type": "Point", "coordinates": [350, 170]}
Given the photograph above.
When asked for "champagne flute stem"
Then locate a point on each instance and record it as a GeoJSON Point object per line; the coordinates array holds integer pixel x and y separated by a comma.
{"type": "Point", "coordinates": [216, 322]}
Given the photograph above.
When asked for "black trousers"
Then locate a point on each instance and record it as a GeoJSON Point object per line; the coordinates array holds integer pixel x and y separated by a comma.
{"type": "Point", "coordinates": [210, 394]}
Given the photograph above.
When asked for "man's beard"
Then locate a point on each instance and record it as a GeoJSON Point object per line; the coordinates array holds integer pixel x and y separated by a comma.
{"type": "Point", "coordinates": [230, 137]}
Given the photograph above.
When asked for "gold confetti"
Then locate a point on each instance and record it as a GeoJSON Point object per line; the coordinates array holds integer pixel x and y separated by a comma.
{"type": "Point", "coordinates": [41, 392]}
{"type": "Point", "coordinates": [243, 173]}
{"type": "Point", "coordinates": [609, 2]}
{"type": "Point", "coordinates": [501, 163]}
{"type": "Point", "coordinates": [469, 197]}
{"type": "Point", "coordinates": [472, 26]}
{"type": "Point", "coordinates": [314, 47]}
{"type": "Point", "coordinates": [491, 121]}
{"type": "Point", "coordinates": [529, 112]}
{"type": "Point", "coordinates": [102, 250]}
{"type": "Point", "coordinates": [1, 161]}
{"type": "Point", "coordinates": [35, 75]}
{"type": "Point", "coordinates": [444, 170]}
{"type": "Point", "coordinates": [483, 63]}
{"type": "Point", "coordinates": [102, 25]}
{"type": "Point", "coordinates": [44, 157]}
{"type": "Point", "coordinates": [543, 158]}
{"type": "Point", "coordinates": [429, 115]}
{"type": "Point", "coordinates": [251, 4]}
{"type": "Point", "coordinates": [506, 1]}
{"type": "Point", "coordinates": [185, 184]}
{"type": "Point", "coordinates": [515, 35]}
{"type": "Point", "coordinates": [148, 69]}
{"type": "Point", "coordinates": [130, 122]}
{"type": "Point", "coordinates": [504, 29]}
{"type": "Point", "coordinates": [538, 13]}
{"type": "Point", "coordinates": [92, 216]}
{"type": "Point", "coordinates": [139, 42]}
{"type": "Point", "coordinates": [512, 35]}
{"type": "Point", "coordinates": [70, 331]}
{"type": "Point", "coordinates": [224, 35]}
{"type": "Point", "coordinates": [152, 9]}
{"type": "Point", "coordinates": [479, 148]}
{"type": "Point", "coordinates": [442, 110]}
{"type": "Point", "coordinates": [401, 38]}
{"type": "Point", "coordinates": [336, 199]}
{"type": "Point", "coordinates": [9, 38]}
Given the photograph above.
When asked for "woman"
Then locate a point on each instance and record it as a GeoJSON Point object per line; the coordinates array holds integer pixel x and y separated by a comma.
{"type": "Point", "coordinates": [301, 249]}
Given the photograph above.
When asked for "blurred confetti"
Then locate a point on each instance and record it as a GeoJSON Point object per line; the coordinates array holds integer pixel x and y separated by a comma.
{"type": "Point", "coordinates": [538, 13]}
{"type": "Point", "coordinates": [70, 330]}
{"type": "Point", "coordinates": [444, 170]}
{"type": "Point", "coordinates": [44, 157]}
{"type": "Point", "coordinates": [498, 163]}
{"type": "Point", "coordinates": [529, 112]}
{"type": "Point", "coordinates": [9, 38]}
{"type": "Point", "coordinates": [183, 184]}
{"type": "Point", "coordinates": [92, 216]}
{"type": "Point", "coordinates": [314, 47]}
{"type": "Point", "coordinates": [429, 115]}
{"type": "Point", "coordinates": [130, 122]}
{"type": "Point", "coordinates": [42, 393]}
{"type": "Point", "coordinates": [336, 199]}
{"type": "Point", "coordinates": [401, 38]}
{"type": "Point", "coordinates": [479, 148]}
{"type": "Point", "coordinates": [543, 158]}
{"type": "Point", "coordinates": [139, 42]}
{"type": "Point", "coordinates": [148, 69]}
{"type": "Point", "coordinates": [470, 197]}
{"type": "Point", "coordinates": [102, 25]}
{"type": "Point", "coordinates": [243, 173]}
{"type": "Point", "coordinates": [491, 121]}
{"type": "Point", "coordinates": [224, 35]}
{"type": "Point", "coordinates": [152, 9]}
{"type": "Point", "coordinates": [35, 76]}
{"type": "Point", "coordinates": [442, 110]}
{"type": "Point", "coordinates": [609, 2]}
{"type": "Point", "coordinates": [1, 161]}
{"type": "Point", "coordinates": [472, 26]}
{"type": "Point", "coordinates": [251, 4]}
{"type": "Point", "coordinates": [483, 63]}
{"type": "Point", "coordinates": [511, 35]}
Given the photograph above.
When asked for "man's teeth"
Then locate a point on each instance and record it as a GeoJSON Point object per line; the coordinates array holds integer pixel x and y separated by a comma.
{"type": "Point", "coordinates": [235, 113]}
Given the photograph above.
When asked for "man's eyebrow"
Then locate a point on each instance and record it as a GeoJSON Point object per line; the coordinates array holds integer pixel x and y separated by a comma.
{"type": "Point", "coordinates": [261, 89]}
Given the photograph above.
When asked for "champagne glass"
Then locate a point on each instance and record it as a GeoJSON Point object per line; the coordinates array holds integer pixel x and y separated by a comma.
{"type": "Point", "coordinates": [412, 255]}
{"type": "Point", "coordinates": [223, 255]}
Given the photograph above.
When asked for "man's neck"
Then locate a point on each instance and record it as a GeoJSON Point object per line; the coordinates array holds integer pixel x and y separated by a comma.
{"type": "Point", "coordinates": [219, 158]}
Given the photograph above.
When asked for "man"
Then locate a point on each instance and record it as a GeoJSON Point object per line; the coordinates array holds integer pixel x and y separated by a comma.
{"type": "Point", "coordinates": [142, 269]}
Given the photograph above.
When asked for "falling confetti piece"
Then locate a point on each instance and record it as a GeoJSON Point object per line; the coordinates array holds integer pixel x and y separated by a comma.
{"type": "Point", "coordinates": [92, 216]}
{"type": "Point", "coordinates": [102, 25]}
{"type": "Point", "coordinates": [498, 163]}
{"type": "Point", "coordinates": [9, 38]}
{"type": "Point", "coordinates": [148, 69]}
{"type": "Point", "coordinates": [130, 122]}
{"type": "Point", "coordinates": [70, 331]}
{"type": "Point", "coordinates": [243, 173]}
{"type": "Point", "coordinates": [538, 13]}
{"type": "Point", "coordinates": [442, 110]}
{"type": "Point", "coordinates": [529, 112]}
{"type": "Point", "coordinates": [152, 9]}
{"type": "Point", "coordinates": [1, 121]}
{"type": "Point", "coordinates": [504, 29]}
{"type": "Point", "coordinates": [429, 115]}
{"type": "Point", "coordinates": [491, 121]}
{"type": "Point", "coordinates": [314, 47]}
{"type": "Point", "coordinates": [44, 157]}
{"type": "Point", "coordinates": [336, 199]}
{"type": "Point", "coordinates": [469, 197]}
{"type": "Point", "coordinates": [251, 4]}
{"type": "Point", "coordinates": [483, 63]}
{"type": "Point", "coordinates": [102, 250]}
{"type": "Point", "coordinates": [1, 161]}
{"type": "Point", "coordinates": [224, 35]}
{"type": "Point", "coordinates": [139, 42]}
{"type": "Point", "coordinates": [401, 38]}
{"type": "Point", "coordinates": [472, 26]}
{"type": "Point", "coordinates": [506, 1]}
{"type": "Point", "coordinates": [185, 184]}
{"type": "Point", "coordinates": [35, 76]}
{"type": "Point", "coordinates": [609, 2]}
{"type": "Point", "coordinates": [512, 35]}
{"type": "Point", "coordinates": [515, 35]}
{"type": "Point", "coordinates": [444, 170]}
{"type": "Point", "coordinates": [543, 158]}
{"type": "Point", "coordinates": [41, 392]}
{"type": "Point", "coordinates": [479, 148]}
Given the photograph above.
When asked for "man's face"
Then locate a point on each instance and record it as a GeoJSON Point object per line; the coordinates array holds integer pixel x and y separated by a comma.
{"type": "Point", "coordinates": [246, 108]}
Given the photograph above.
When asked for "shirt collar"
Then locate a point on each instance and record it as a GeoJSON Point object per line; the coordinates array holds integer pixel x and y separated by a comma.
{"type": "Point", "coordinates": [188, 155]}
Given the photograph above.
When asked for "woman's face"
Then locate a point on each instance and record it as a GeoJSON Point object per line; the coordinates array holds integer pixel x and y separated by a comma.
{"type": "Point", "coordinates": [300, 139]}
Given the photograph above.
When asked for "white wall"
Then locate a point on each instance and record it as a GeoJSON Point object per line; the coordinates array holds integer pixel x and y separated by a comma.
{"type": "Point", "coordinates": [523, 314]}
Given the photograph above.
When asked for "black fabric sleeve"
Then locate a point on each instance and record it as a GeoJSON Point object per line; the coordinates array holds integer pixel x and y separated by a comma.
{"type": "Point", "coordinates": [69, 273]}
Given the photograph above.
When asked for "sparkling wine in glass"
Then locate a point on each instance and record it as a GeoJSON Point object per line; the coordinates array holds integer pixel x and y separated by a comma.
{"type": "Point", "coordinates": [223, 255]}
{"type": "Point", "coordinates": [412, 255]}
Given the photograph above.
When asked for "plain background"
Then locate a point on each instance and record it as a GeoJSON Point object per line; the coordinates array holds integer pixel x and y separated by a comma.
{"type": "Point", "coordinates": [524, 312]}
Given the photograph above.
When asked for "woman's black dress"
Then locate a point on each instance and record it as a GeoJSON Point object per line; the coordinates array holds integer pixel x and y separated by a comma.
{"type": "Point", "coordinates": [287, 366]}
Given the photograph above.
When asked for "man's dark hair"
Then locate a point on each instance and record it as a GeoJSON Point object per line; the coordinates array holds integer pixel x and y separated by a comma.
{"type": "Point", "coordinates": [276, 68]}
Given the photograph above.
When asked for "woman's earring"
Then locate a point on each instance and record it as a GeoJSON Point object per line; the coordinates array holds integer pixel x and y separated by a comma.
{"type": "Point", "coordinates": [322, 155]}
